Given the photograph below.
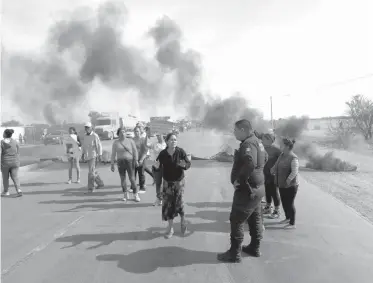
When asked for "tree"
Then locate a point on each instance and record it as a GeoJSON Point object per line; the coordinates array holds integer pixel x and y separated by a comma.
{"type": "Point", "coordinates": [361, 111]}
{"type": "Point", "coordinates": [11, 123]}
{"type": "Point", "coordinates": [94, 115]}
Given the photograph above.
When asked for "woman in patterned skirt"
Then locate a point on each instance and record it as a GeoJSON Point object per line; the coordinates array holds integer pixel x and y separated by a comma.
{"type": "Point", "coordinates": [173, 161]}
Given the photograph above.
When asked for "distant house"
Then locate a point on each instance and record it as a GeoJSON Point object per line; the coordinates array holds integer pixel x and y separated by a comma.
{"type": "Point", "coordinates": [325, 123]}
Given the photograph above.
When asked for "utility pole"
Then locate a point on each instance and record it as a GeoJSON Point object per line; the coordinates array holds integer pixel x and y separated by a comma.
{"type": "Point", "coordinates": [273, 126]}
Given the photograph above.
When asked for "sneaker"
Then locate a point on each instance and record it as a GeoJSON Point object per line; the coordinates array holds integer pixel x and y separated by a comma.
{"type": "Point", "coordinates": [19, 193]}
{"type": "Point", "coordinates": [169, 233]}
{"type": "Point", "coordinates": [137, 198]}
{"type": "Point", "coordinates": [267, 210]}
{"type": "Point", "coordinates": [275, 215]}
{"type": "Point", "coordinates": [68, 182]}
{"type": "Point", "coordinates": [289, 226]}
{"type": "Point", "coordinates": [90, 191]}
{"type": "Point", "coordinates": [285, 221]}
{"type": "Point", "coordinates": [78, 181]}
{"type": "Point", "coordinates": [158, 202]}
{"type": "Point", "coordinates": [142, 191]}
{"type": "Point", "coordinates": [5, 194]}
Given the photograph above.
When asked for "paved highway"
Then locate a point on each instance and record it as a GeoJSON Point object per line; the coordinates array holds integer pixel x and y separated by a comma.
{"type": "Point", "coordinates": [56, 233]}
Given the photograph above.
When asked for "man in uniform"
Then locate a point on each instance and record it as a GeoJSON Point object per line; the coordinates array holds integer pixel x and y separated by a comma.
{"type": "Point", "coordinates": [247, 179]}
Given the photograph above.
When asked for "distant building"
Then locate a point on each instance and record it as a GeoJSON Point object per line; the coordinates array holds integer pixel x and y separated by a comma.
{"type": "Point", "coordinates": [325, 122]}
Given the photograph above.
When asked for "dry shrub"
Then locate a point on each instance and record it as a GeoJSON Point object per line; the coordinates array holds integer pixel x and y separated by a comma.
{"type": "Point", "coordinates": [318, 161]}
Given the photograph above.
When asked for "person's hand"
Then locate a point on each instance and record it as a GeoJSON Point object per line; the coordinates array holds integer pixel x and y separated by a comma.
{"type": "Point", "coordinates": [288, 182]}
{"type": "Point", "coordinates": [236, 184]}
{"type": "Point", "coordinates": [157, 164]}
{"type": "Point", "coordinates": [140, 162]}
{"type": "Point", "coordinates": [99, 158]}
{"type": "Point", "coordinates": [182, 163]}
{"type": "Point", "coordinates": [112, 168]}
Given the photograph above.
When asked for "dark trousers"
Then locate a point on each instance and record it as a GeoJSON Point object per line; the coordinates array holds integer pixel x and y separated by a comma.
{"type": "Point", "coordinates": [127, 167]}
{"type": "Point", "coordinates": [157, 173]}
{"type": "Point", "coordinates": [140, 170]}
{"type": "Point", "coordinates": [287, 199]}
{"type": "Point", "coordinates": [272, 193]}
{"type": "Point", "coordinates": [11, 171]}
{"type": "Point", "coordinates": [252, 215]}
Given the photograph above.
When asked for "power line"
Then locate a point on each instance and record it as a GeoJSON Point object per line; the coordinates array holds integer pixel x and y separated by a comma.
{"type": "Point", "coordinates": [344, 81]}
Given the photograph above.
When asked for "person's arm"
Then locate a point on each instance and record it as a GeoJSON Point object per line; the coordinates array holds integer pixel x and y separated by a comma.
{"type": "Point", "coordinates": [99, 145]}
{"type": "Point", "coordinates": [142, 153]}
{"type": "Point", "coordinates": [294, 170]}
{"type": "Point", "coordinates": [184, 157]}
{"type": "Point", "coordinates": [78, 141]}
{"type": "Point", "coordinates": [17, 147]}
{"type": "Point", "coordinates": [246, 154]}
{"type": "Point", "coordinates": [113, 152]}
{"type": "Point", "coordinates": [274, 168]}
{"type": "Point", "coordinates": [134, 150]}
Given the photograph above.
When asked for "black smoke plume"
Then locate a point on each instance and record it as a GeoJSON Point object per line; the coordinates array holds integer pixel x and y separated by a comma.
{"type": "Point", "coordinates": [88, 47]}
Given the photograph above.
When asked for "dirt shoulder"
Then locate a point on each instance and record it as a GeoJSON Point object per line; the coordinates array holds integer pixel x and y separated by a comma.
{"type": "Point", "coordinates": [353, 188]}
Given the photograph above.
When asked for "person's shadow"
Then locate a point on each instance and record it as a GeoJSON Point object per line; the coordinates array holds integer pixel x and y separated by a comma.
{"type": "Point", "coordinates": [149, 260]}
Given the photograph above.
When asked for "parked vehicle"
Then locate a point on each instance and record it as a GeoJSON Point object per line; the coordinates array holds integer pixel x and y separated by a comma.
{"type": "Point", "coordinates": [107, 124]}
{"type": "Point", "coordinates": [55, 137]}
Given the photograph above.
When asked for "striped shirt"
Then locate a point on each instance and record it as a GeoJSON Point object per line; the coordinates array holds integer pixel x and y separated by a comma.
{"type": "Point", "coordinates": [294, 169]}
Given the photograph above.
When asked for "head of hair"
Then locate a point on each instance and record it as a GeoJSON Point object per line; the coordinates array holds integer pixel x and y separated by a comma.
{"type": "Point", "coordinates": [245, 125]}
{"type": "Point", "coordinates": [8, 133]}
{"type": "Point", "coordinates": [74, 130]}
{"type": "Point", "coordinates": [269, 136]}
{"type": "Point", "coordinates": [168, 136]}
{"type": "Point", "coordinates": [137, 128]}
{"type": "Point", "coordinates": [118, 131]}
{"type": "Point", "coordinates": [288, 143]}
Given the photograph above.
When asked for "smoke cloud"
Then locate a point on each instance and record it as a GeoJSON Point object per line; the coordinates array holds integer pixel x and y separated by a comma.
{"type": "Point", "coordinates": [292, 127]}
{"type": "Point", "coordinates": [87, 47]}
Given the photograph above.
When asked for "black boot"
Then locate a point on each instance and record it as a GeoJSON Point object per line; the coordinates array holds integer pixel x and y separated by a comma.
{"type": "Point", "coordinates": [252, 249]}
{"type": "Point", "coordinates": [231, 255]}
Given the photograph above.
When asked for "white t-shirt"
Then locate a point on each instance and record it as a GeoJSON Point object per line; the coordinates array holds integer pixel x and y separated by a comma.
{"type": "Point", "coordinates": [156, 149]}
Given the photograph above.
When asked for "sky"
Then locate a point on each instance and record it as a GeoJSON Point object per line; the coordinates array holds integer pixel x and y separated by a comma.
{"type": "Point", "coordinates": [310, 56]}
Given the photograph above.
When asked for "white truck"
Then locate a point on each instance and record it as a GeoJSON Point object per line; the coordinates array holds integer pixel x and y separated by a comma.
{"type": "Point", "coordinates": [107, 124]}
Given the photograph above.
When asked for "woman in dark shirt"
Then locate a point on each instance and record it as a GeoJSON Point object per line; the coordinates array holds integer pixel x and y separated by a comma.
{"type": "Point", "coordinates": [10, 162]}
{"type": "Point", "coordinates": [173, 161]}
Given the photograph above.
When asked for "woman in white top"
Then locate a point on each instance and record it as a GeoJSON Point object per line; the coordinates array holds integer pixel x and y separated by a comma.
{"type": "Point", "coordinates": [125, 152]}
{"type": "Point", "coordinates": [155, 149]}
{"type": "Point", "coordinates": [73, 151]}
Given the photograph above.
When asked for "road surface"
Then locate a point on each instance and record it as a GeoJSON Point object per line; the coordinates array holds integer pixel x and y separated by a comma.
{"type": "Point", "coordinates": [56, 233]}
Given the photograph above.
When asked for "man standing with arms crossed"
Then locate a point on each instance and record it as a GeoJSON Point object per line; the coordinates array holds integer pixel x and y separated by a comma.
{"type": "Point", "coordinates": [247, 179]}
{"type": "Point", "coordinates": [92, 150]}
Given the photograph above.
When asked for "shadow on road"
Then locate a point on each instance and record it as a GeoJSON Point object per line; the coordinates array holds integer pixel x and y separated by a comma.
{"type": "Point", "coordinates": [146, 261]}
{"type": "Point", "coordinates": [101, 207]}
{"type": "Point", "coordinates": [76, 192]}
{"type": "Point", "coordinates": [39, 184]}
{"type": "Point", "coordinates": [210, 204]}
{"type": "Point", "coordinates": [107, 239]}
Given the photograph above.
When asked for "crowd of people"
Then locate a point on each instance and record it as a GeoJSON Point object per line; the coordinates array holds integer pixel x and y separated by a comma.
{"type": "Point", "coordinates": [260, 169]}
